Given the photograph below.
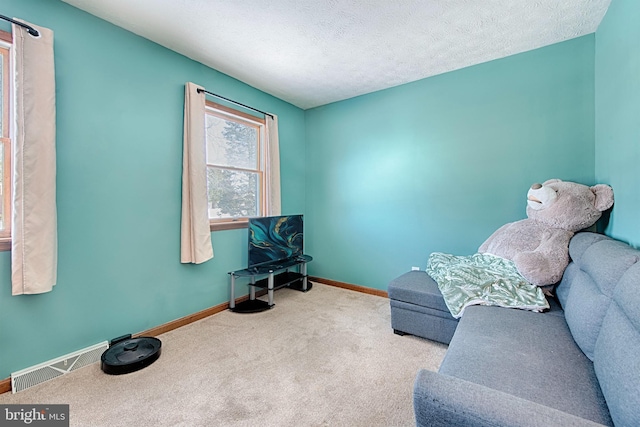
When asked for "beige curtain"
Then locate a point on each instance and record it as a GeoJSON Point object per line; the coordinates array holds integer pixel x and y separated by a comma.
{"type": "Point", "coordinates": [34, 238]}
{"type": "Point", "coordinates": [195, 241]}
{"type": "Point", "coordinates": [273, 166]}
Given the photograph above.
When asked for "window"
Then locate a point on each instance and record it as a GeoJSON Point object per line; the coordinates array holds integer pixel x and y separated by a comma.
{"type": "Point", "coordinates": [236, 169]}
{"type": "Point", "coordinates": [5, 145]}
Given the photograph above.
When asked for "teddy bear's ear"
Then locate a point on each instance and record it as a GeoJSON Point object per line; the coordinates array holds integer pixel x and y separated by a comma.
{"type": "Point", "coordinates": [551, 181]}
{"type": "Point", "coordinates": [604, 196]}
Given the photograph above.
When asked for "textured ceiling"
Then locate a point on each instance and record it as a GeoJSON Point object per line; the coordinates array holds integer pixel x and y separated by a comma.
{"type": "Point", "coordinates": [313, 52]}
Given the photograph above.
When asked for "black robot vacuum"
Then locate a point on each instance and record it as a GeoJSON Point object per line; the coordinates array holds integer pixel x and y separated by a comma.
{"type": "Point", "coordinates": [126, 354]}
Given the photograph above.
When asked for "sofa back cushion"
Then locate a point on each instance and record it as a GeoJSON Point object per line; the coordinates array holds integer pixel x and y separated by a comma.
{"type": "Point", "coordinates": [577, 246]}
{"type": "Point", "coordinates": [586, 290]}
{"type": "Point", "coordinates": [617, 351]}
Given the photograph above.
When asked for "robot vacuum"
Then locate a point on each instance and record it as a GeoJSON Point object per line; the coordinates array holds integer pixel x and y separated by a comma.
{"type": "Point", "coordinates": [126, 354]}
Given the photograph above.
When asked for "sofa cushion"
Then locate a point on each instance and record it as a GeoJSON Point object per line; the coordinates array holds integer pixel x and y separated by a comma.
{"type": "Point", "coordinates": [617, 351]}
{"type": "Point", "coordinates": [581, 242]}
{"type": "Point", "coordinates": [417, 287]}
{"type": "Point", "coordinates": [562, 290]}
{"type": "Point", "coordinates": [587, 286]}
{"type": "Point", "coordinates": [577, 247]}
{"type": "Point", "coordinates": [530, 355]}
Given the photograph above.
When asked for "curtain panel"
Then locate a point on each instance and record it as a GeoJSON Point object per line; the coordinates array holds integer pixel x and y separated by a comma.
{"type": "Point", "coordinates": [34, 239]}
{"type": "Point", "coordinates": [273, 166]}
{"type": "Point", "coordinates": [195, 241]}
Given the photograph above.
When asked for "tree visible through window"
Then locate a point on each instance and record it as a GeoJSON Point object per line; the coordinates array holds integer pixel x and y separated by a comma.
{"type": "Point", "coordinates": [235, 163]}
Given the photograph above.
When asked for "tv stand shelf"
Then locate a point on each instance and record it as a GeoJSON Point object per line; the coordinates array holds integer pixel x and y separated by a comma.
{"type": "Point", "coordinates": [277, 276]}
{"type": "Point", "coordinates": [279, 280]}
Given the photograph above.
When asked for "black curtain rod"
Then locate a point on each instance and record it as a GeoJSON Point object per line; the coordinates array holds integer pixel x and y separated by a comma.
{"type": "Point", "coordinates": [234, 102]}
{"type": "Point", "coordinates": [29, 29]}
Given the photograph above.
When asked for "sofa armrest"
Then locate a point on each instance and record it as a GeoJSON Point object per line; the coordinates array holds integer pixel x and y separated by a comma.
{"type": "Point", "coordinates": [442, 400]}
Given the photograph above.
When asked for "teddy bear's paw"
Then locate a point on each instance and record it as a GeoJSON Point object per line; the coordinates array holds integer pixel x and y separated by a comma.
{"type": "Point", "coordinates": [537, 268]}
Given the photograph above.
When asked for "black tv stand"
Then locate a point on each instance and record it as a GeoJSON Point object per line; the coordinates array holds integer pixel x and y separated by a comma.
{"type": "Point", "coordinates": [276, 276]}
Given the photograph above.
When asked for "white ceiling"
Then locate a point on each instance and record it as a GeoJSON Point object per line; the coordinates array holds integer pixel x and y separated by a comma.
{"type": "Point", "coordinates": [313, 52]}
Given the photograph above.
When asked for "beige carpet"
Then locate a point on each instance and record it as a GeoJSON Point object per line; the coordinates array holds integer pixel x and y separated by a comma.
{"type": "Point", "coordinates": [324, 358]}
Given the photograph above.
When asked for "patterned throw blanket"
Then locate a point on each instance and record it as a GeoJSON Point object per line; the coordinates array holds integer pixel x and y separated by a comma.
{"type": "Point", "coordinates": [482, 279]}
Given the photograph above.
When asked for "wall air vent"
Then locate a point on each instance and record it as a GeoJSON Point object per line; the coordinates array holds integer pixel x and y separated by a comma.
{"type": "Point", "coordinates": [46, 371]}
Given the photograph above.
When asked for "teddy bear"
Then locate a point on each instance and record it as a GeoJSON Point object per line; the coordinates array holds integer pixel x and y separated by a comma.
{"type": "Point", "coordinates": [539, 245]}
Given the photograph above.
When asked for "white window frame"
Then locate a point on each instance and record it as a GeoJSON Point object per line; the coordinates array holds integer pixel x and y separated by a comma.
{"type": "Point", "coordinates": [6, 44]}
{"type": "Point", "coordinates": [226, 113]}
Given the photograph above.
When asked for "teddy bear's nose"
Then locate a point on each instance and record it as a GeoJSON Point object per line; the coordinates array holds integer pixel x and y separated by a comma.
{"type": "Point", "coordinates": [536, 186]}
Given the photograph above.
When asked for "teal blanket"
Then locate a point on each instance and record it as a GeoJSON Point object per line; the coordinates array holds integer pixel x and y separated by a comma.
{"type": "Point", "coordinates": [482, 279]}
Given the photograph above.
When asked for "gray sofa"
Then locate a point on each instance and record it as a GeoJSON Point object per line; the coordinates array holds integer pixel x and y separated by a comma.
{"type": "Point", "coordinates": [576, 365]}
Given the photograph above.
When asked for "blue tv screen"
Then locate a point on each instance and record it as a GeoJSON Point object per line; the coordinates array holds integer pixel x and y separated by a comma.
{"type": "Point", "coordinates": [275, 238]}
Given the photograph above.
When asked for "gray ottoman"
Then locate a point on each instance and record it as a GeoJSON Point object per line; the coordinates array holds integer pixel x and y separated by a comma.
{"type": "Point", "coordinates": [418, 308]}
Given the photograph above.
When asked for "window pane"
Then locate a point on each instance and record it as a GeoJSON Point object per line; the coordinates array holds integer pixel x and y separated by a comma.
{"type": "Point", "coordinates": [232, 193]}
{"type": "Point", "coordinates": [2, 227]}
{"type": "Point", "coordinates": [231, 144]}
{"type": "Point", "coordinates": [2, 77]}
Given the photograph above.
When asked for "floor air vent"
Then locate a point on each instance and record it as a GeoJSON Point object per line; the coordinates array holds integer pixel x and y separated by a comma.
{"type": "Point", "coordinates": [46, 371]}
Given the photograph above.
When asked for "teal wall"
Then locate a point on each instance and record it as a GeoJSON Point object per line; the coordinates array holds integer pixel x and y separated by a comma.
{"type": "Point", "coordinates": [383, 179]}
{"type": "Point", "coordinates": [439, 164]}
{"type": "Point", "coordinates": [617, 82]}
{"type": "Point", "coordinates": [119, 151]}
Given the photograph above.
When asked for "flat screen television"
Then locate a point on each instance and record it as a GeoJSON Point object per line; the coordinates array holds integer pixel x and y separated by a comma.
{"type": "Point", "coordinates": [275, 239]}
